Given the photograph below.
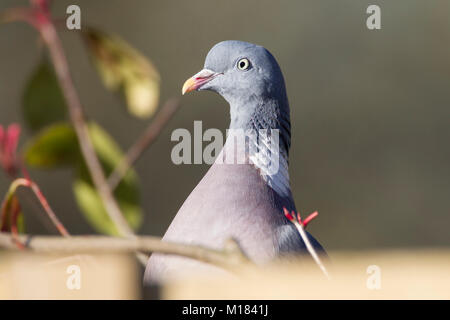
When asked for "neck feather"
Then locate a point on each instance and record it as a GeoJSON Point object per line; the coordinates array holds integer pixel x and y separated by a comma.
{"type": "Point", "coordinates": [267, 132]}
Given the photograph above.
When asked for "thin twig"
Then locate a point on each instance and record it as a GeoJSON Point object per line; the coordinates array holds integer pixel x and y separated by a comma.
{"type": "Point", "coordinates": [310, 248]}
{"type": "Point", "coordinates": [230, 257]}
{"type": "Point", "coordinates": [144, 141]}
{"type": "Point", "coordinates": [51, 39]}
{"type": "Point", "coordinates": [304, 236]}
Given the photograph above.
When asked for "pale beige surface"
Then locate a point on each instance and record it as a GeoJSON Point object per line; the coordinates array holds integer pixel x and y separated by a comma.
{"type": "Point", "coordinates": [418, 274]}
{"type": "Point", "coordinates": [31, 276]}
{"type": "Point", "coordinates": [423, 274]}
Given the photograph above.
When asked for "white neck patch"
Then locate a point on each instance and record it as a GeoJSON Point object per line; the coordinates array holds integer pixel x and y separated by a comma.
{"type": "Point", "coordinates": [262, 150]}
{"type": "Point", "coordinates": [264, 159]}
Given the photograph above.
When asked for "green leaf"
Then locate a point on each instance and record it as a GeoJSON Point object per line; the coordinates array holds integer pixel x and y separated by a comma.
{"type": "Point", "coordinates": [43, 102]}
{"type": "Point", "coordinates": [56, 145]}
{"type": "Point", "coordinates": [126, 193]}
{"type": "Point", "coordinates": [122, 68]}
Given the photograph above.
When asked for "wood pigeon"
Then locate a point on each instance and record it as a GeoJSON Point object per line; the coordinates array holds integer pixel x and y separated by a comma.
{"type": "Point", "coordinates": [238, 200]}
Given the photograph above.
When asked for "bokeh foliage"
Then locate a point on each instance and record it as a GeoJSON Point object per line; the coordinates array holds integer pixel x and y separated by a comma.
{"type": "Point", "coordinates": [124, 69]}
{"type": "Point", "coordinates": [55, 144]}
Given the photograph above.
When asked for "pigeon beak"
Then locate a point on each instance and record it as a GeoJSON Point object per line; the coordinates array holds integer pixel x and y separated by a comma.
{"type": "Point", "coordinates": [197, 80]}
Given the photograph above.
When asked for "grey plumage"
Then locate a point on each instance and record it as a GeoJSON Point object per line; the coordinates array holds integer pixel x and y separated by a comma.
{"type": "Point", "coordinates": [239, 200]}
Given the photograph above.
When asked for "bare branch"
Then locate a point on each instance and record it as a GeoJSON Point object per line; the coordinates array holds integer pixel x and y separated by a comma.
{"type": "Point", "coordinates": [146, 139]}
{"type": "Point", "coordinates": [230, 257]}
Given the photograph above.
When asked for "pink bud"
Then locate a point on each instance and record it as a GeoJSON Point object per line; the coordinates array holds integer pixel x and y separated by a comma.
{"type": "Point", "coordinates": [12, 138]}
{"type": "Point", "coordinates": [8, 147]}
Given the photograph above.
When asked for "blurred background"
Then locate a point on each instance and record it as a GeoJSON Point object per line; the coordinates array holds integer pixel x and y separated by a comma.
{"type": "Point", "coordinates": [369, 109]}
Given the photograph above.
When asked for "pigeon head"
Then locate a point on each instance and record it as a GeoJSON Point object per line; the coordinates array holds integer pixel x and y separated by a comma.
{"type": "Point", "coordinates": [248, 77]}
{"type": "Point", "coordinates": [238, 71]}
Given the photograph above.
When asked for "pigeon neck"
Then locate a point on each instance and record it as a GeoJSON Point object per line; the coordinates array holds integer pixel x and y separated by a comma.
{"type": "Point", "coordinates": [267, 142]}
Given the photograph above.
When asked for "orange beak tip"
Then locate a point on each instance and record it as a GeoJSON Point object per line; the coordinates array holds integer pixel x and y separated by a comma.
{"type": "Point", "coordinates": [188, 86]}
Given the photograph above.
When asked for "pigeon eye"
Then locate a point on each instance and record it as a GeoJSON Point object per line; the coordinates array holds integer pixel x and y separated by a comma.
{"type": "Point", "coordinates": [243, 64]}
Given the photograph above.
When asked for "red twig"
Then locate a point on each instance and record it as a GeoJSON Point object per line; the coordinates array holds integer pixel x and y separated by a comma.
{"type": "Point", "coordinates": [11, 164]}
{"type": "Point", "coordinates": [10, 196]}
